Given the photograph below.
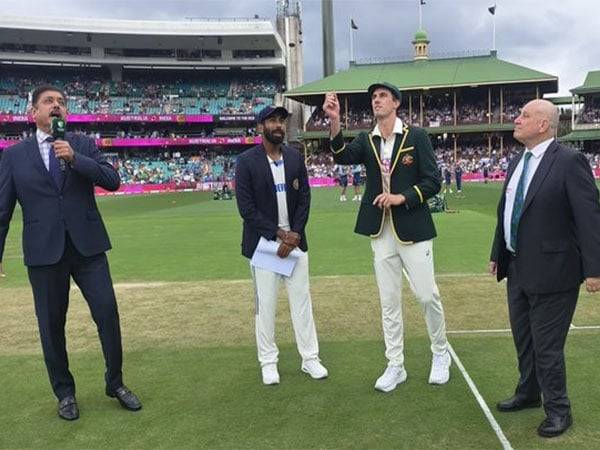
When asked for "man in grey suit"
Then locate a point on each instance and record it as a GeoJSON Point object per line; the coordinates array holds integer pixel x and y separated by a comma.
{"type": "Point", "coordinates": [547, 242]}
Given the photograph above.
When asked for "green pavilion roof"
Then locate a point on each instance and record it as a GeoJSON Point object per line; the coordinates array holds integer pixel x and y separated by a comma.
{"type": "Point", "coordinates": [566, 100]}
{"type": "Point", "coordinates": [590, 85]}
{"type": "Point", "coordinates": [469, 71]}
{"type": "Point", "coordinates": [582, 135]}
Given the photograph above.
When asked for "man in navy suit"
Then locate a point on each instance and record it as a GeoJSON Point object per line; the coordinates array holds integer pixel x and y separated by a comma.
{"type": "Point", "coordinates": [547, 242]}
{"type": "Point", "coordinates": [273, 198]}
{"type": "Point", "coordinates": [64, 236]}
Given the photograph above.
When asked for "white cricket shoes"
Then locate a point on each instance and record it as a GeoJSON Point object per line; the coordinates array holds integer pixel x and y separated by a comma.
{"type": "Point", "coordinates": [392, 377]}
{"type": "Point", "coordinates": [315, 369]}
{"type": "Point", "coordinates": [270, 375]}
{"type": "Point", "coordinates": [440, 369]}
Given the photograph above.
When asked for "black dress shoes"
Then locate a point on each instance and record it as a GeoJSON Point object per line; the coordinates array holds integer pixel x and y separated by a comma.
{"type": "Point", "coordinates": [516, 404]}
{"type": "Point", "coordinates": [67, 408]}
{"type": "Point", "coordinates": [555, 425]}
{"type": "Point", "coordinates": [127, 399]}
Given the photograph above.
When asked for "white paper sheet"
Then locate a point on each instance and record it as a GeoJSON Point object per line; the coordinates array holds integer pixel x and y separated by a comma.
{"type": "Point", "coordinates": [265, 257]}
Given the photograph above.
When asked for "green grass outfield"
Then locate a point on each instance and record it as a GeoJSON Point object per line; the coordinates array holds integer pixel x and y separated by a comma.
{"type": "Point", "coordinates": [190, 237]}
{"type": "Point", "coordinates": [186, 308]}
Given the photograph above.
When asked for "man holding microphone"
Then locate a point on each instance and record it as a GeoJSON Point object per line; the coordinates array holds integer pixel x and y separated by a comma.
{"type": "Point", "coordinates": [52, 176]}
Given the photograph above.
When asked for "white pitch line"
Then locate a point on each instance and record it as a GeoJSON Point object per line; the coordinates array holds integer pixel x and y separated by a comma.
{"type": "Point", "coordinates": [438, 275]}
{"type": "Point", "coordinates": [508, 330]}
{"type": "Point", "coordinates": [482, 404]}
{"type": "Point", "coordinates": [503, 330]}
{"type": "Point", "coordinates": [585, 327]}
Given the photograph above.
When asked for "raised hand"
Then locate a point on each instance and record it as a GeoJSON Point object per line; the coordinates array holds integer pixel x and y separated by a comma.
{"type": "Point", "coordinates": [331, 106]}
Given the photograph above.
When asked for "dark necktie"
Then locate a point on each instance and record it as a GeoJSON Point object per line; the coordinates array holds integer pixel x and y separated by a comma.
{"type": "Point", "coordinates": [519, 200]}
{"type": "Point", "coordinates": [54, 165]}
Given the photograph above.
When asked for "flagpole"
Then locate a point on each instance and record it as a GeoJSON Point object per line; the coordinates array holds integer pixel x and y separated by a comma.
{"type": "Point", "coordinates": [351, 43]}
{"type": "Point", "coordinates": [493, 31]}
{"type": "Point", "coordinates": [420, 15]}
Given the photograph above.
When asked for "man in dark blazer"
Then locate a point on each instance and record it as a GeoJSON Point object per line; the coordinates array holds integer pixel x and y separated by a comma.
{"type": "Point", "coordinates": [547, 241]}
{"type": "Point", "coordinates": [401, 175]}
{"type": "Point", "coordinates": [273, 198]}
{"type": "Point", "coordinates": [64, 236]}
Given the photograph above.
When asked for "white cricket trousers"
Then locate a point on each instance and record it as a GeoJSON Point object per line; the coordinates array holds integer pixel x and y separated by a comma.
{"type": "Point", "coordinates": [266, 284]}
{"type": "Point", "coordinates": [391, 258]}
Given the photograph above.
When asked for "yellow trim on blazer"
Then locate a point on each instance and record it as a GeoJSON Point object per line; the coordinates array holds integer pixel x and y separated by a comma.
{"type": "Point", "coordinates": [376, 152]}
{"type": "Point", "coordinates": [396, 234]}
{"type": "Point", "coordinates": [401, 149]}
{"type": "Point", "coordinates": [419, 192]}
{"type": "Point", "coordinates": [374, 236]}
{"type": "Point", "coordinates": [340, 150]}
{"type": "Point", "coordinates": [381, 175]}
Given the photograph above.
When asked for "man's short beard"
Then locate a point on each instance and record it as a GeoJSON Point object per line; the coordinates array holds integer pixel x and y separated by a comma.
{"type": "Point", "coordinates": [275, 140]}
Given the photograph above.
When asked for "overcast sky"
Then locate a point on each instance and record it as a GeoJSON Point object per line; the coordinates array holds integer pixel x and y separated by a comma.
{"type": "Point", "coordinates": [559, 37]}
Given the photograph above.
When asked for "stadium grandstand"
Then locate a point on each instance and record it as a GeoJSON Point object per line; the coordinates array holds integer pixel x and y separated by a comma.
{"type": "Point", "coordinates": [169, 101]}
{"type": "Point", "coordinates": [466, 103]}
{"type": "Point", "coordinates": [585, 115]}
{"type": "Point", "coordinates": [172, 103]}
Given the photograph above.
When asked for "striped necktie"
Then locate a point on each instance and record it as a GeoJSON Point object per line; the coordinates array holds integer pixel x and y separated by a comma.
{"type": "Point", "coordinates": [519, 200]}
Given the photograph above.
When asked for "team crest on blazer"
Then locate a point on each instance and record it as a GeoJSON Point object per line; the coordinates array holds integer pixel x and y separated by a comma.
{"type": "Point", "coordinates": [408, 160]}
{"type": "Point", "coordinates": [296, 184]}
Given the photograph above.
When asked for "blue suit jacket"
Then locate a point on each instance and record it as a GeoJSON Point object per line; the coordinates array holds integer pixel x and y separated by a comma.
{"type": "Point", "coordinates": [50, 211]}
{"type": "Point", "coordinates": [558, 238]}
{"type": "Point", "coordinates": [257, 200]}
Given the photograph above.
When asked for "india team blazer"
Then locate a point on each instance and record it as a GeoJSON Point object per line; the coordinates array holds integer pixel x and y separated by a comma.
{"type": "Point", "coordinates": [257, 200]}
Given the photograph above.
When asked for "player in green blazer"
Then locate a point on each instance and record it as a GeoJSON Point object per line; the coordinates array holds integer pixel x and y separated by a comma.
{"type": "Point", "coordinates": [401, 175]}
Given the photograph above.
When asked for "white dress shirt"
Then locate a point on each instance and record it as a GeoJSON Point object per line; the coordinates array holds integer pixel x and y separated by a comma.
{"type": "Point", "coordinates": [45, 147]}
{"type": "Point", "coordinates": [537, 154]}
{"type": "Point", "coordinates": [385, 151]}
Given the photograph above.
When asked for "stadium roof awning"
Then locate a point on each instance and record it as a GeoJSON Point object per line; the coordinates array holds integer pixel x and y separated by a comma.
{"type": "Point", "coordinates": [205, 34]}
{"type": "Point", "coordinates": [581, 135]}
{"type": "Point", "coordinates": [472, 71]}
{"type": "Point", "coordinates": [590, 85]}
{"type": "Point", "coordinates": [566, 100]}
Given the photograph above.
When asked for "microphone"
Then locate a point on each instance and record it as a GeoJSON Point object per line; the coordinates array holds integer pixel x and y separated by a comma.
{"type": "Point", "coordinates": [57, 129]}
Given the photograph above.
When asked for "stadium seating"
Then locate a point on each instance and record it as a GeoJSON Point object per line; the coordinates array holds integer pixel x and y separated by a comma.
{"type": "Point", "coordinates": [436, 113]}
{"type": "Point", "coordinates": [137, 93]}
{"type": "Point", "coordinates": [589, 115]}
{"type": "Point", "coordinates": [202, 167]}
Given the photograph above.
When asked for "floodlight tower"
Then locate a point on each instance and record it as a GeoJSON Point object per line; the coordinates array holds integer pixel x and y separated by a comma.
{"type": "Point", "coordinates": [289, 26]}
